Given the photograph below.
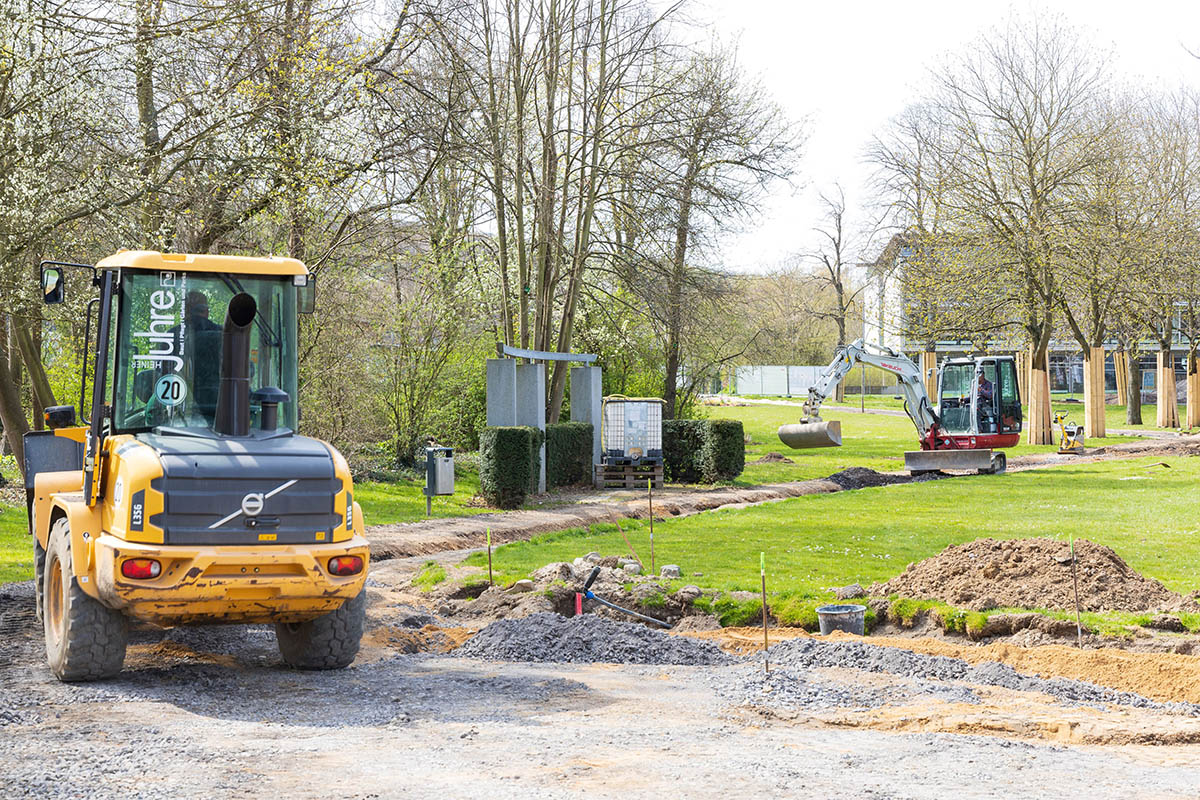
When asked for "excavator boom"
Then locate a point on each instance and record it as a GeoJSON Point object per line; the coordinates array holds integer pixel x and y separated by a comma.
{"type": "Point", "coordinates": [812, 431]}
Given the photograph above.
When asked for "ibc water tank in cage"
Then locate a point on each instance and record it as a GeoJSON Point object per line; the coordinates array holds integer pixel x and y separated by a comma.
{"type": "Point", "coordinates": [632, 430]}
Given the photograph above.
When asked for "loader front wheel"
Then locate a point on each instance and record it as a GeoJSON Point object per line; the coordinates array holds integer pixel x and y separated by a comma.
{"type": "Point", "coordinates": [85, 640]}
{"type": "Point", "coordinates": [328, 642]}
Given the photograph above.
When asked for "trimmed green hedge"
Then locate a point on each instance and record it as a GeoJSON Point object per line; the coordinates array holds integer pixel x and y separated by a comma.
{"type": "Point", "coordinates": [505, 464]}
{"type": "Point", "coordinates": [568, 453]}
{"type": "Point", "coordinates": [703, 450]}
{"type": "Point", "coordinates": [536, 439]}
{"type": "Point", "coordinates": [683, 439]}
{"type": "Point", "coordinates": [723, 456]}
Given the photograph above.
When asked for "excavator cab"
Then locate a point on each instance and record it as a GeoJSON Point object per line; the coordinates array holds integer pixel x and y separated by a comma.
{"type": "Point", "coordinates": [978, 398]}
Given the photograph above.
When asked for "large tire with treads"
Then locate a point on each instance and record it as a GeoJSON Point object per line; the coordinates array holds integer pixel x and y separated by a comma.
{"type": "Point", "coordinates": [328, 642]}
{"type": "Point", "coordinates": [85, 639]}
{"type": "Point", "coordinates": [39, 578]}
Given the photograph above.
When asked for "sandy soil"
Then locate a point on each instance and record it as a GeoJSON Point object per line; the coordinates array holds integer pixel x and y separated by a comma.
{"type": "Point", "coordinates": [1161, 676]}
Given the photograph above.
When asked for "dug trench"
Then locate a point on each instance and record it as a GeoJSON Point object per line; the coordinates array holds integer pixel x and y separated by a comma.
{"type": "Point", "coordinates": [1154, 658]}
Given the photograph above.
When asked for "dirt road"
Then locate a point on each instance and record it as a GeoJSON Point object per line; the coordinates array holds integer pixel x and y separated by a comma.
{"type": "Point", "coordinates": [211, 712]}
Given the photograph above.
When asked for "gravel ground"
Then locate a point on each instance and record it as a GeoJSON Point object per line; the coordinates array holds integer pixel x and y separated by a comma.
{"type": "Point", "coordinates": [211, 712]}
{"type": "Point", "coordinates": [588, 639]}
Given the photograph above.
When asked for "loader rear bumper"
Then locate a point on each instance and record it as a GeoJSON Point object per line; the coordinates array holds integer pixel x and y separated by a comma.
{"type": "Point", "coordinates": [288, 583]}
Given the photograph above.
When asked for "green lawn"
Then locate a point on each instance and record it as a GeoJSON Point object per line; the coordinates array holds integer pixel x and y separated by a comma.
{"type": "Point", "coordinates": [868, 440]}
{"type": "Point", "coordinates": [817, 542]}
{"type": "Point", "coordinates": [16, 551]}
{"type": "Point", "coordinates": [404, 501]}
{"type": "Point", "coordinates": [1114, 416]}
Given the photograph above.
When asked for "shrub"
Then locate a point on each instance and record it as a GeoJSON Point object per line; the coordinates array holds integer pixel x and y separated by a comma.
{"type": "Point", "coordinates": [683, 440]}
{"type": "Point", "coordinates": [536, 440]}
{"type": "Point", "coordinates": [723, 455]}
{"type": "Point", "coordinates": [568, 453]}
{"type": "Point", "coordinates": [506, 456]}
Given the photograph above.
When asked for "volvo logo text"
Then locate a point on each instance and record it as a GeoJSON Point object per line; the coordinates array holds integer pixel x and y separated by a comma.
{"type": "Point", "coordinates": [252, 504]}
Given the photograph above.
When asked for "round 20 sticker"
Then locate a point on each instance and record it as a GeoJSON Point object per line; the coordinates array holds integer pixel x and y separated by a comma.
{"type": "Point", "coordinates": [170, 390]}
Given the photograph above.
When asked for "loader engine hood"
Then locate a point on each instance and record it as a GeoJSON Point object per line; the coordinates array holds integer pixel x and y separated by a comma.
{"type": "Point", "coordinates": [244, 491]}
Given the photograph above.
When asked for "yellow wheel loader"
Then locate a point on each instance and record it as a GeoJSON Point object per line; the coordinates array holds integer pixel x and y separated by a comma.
{"type": "Point", "coordinates": [187, 497]}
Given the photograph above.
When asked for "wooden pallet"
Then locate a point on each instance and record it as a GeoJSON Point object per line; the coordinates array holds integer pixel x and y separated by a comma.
{"type": "Point", "coordinates": [628, 477]}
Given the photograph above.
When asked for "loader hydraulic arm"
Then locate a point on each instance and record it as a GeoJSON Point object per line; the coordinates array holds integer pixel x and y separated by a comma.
{"type": "Point", "coordinates": [916, 400]}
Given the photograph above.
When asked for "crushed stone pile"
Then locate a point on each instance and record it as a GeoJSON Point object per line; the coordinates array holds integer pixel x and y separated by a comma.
{"type": "Point", "coordinates": [553, 638]}
{"type": "Point", "coordinates": [809, 653]}
{"type": "Point", "coordinates": [792, 688]}
{"type": "Point", "coordinates": [1032, 573]}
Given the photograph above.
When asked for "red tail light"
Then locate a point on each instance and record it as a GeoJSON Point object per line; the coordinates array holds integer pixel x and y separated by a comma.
{"type": "Point", "coordinates": [345, 565]}
{"type": "Point", "coordinates": [140, 568]}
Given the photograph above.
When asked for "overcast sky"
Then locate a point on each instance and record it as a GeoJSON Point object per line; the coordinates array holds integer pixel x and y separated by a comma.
{"type": "Point", "coordinates": [850, 66]}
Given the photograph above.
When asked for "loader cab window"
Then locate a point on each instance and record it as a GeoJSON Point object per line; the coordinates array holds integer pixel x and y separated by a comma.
{"type": "Point", "coordinates": [167, 351]}
{"type": "Point", "coordinates": [955, 397]}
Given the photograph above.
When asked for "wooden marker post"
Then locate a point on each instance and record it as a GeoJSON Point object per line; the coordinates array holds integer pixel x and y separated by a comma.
{"type": "Point", "coordinates": [489, 547]}
{"type": "Point", "coordinates": [762, 571]}
{"type": "Point", "coordinates": [1075, 579]}
{"type": "Point", "coordinates": [650, 492]}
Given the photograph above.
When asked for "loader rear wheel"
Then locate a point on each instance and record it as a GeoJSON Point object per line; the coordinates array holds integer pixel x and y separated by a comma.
{"type": "Point", "coordinates": [328, 642]}
{"type": "Point", "coordinates": [85, 640]}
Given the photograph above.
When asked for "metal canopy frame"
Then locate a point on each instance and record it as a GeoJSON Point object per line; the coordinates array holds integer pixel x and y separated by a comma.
{"type": "Point", "coordinates": [545, 355]}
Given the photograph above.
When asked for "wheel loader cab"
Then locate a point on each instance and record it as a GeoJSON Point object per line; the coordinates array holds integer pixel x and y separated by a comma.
{"type": "Point", "coordinates": [188, 498]}
{"type": "Point", "coordinates": [167, 348]}
{"type": "Point", "coordinates": [979, 397]}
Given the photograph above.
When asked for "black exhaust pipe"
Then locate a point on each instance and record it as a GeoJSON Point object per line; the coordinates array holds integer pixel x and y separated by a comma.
{"type": "Point", "coordinates": [233, 395]}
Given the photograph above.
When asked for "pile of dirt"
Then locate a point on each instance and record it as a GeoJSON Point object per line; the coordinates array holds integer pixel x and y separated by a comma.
{"type": "Point", "coordinates": [1032, 573]}
{"type": "Point", "coordinates": [587, 639]}
{"type": "Point", "coordinates": [863, 478]}
{"type": "Point", "coordinates": [774, 458]}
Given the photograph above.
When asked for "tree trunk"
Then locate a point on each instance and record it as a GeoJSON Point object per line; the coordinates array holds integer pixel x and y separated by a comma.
{"type": "Point", "coordinates": [1193, 391]}
{"type": "Point", "coordinates": [1023, 377]}
{"type": "Point", "coordinates": [143, 67]}
{"type": "Point", "coordinates": [1093, 393]}
{"type": "Point", "coordinates": [1168, 409]}
{"type": "Point", "coordinates": [1133, 389]}
{"type": "Point", "coordinates": [1038, 421]}
{"type": "Point", "coordinates": [43, 395]}
{"type": "Point", "coordinates": [1121, 371]}
{"type": "Point", "coordinates": [12, 415]}
{"type": "Point", "coordinates": [929, 374]}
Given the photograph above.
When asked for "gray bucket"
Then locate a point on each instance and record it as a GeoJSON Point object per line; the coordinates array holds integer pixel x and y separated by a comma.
{"type": "Point", "coordinates": [849, 618]}
{"type": "Point", "coordinates": [805, 435]}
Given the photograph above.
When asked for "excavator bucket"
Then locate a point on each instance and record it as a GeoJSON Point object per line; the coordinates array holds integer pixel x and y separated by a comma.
{"type": "Point", "coordinates": [805, 435]}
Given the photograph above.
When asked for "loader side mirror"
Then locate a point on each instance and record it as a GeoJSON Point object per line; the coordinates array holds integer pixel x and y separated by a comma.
{"type": "Point", "coordinates": [306, 294]}
{"type": "Point", "coordinates": [53, 288]}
